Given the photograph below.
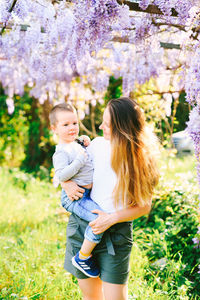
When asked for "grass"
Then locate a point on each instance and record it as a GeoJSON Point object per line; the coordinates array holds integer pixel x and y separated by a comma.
{"type": "Point", "coordinates": [173, 167]}
{"type": "Point", "coordinates": [32, 241]}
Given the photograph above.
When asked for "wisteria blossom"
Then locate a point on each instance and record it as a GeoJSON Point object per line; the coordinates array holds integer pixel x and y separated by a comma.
{"type": "Point", "coordinates": [193, 129]}
{"type": "Point", "coordinates": [45, 46]}
{"type": "Point", "coordinates": [192, 84]}
{"type": "Point", "coordinates": [50, 44]}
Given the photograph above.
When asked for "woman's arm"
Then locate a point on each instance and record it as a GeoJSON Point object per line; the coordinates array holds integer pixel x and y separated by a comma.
{"type": "Point", "coordinates": [130, 213]}
{"type": "Point", "coordinates": [105, 220]}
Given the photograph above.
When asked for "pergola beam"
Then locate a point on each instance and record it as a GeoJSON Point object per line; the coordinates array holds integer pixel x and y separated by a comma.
{"type": "Point", "coordinates": [170, 46]}
{"type": "Point", "coordinates": [164, 45]}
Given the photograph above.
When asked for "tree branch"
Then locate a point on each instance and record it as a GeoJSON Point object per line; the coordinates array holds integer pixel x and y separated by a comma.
{"type": "Point", "coordinates": [82, 126]}
{"type": "Point", "coordinates": [151, 9]}
{"type": "Point", "coordinates": [161, 93]}
{"type": "Point", "coordinates": [181, 27]}
{"type": "Point", "coordinates": [10, 10]}
{"type": "Point", "coordinates": [163, 45]}
{"type": "Point", "coordinates": [92, 119]}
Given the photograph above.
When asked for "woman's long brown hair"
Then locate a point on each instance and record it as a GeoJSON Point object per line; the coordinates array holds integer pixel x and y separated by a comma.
{"type": "Point", "coordinates": [132, 157]}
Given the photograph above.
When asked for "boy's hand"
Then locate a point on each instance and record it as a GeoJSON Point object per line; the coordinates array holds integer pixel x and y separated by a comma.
{"type": "Point", "coordinates": [85, 139]}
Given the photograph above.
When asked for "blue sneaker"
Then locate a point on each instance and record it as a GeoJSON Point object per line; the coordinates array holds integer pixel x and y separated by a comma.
{"type": "Point", "coordinates": [87, 266]}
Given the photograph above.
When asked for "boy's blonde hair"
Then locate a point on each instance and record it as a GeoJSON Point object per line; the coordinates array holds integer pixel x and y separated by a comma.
{"type": "Point", "coordinates": [57, 108]}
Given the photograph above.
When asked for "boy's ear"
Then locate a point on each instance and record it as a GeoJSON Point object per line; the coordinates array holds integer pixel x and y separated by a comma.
{"type": "Point", "coordinates": [53, 128]}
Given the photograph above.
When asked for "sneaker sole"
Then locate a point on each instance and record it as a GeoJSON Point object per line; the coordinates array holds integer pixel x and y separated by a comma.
{"type": "Point", "coordinates": [82, 270]}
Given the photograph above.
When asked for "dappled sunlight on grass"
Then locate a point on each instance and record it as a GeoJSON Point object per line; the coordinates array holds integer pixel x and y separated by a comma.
{"type": "Point", "coordinates": [173, 166]}
{"type": "Point", "coordinates": [179, 171]}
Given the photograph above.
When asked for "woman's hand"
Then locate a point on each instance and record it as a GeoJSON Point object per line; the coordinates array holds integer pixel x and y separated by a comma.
{"type": "Point", "coordinates": [73, 191]}
{"type": "Point", "coordinates": [102, 222]}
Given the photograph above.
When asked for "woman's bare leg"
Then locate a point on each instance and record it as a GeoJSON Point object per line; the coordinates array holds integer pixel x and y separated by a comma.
{"type": "Point", "coordinates": [91, 288]}
{"type": "Point", "coordinates": [115, 291]}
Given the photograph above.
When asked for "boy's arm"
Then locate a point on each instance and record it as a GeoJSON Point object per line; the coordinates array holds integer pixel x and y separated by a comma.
{"type": "Point", "coordinates": [65, 171]}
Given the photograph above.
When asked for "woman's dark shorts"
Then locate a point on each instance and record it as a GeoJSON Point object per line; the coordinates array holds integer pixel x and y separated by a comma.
{"type": "Point", "coordinates": [112, 254]}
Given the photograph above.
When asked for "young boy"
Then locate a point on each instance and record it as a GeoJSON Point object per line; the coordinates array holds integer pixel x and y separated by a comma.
{"type": "Point", "coordinates": [71, 162]}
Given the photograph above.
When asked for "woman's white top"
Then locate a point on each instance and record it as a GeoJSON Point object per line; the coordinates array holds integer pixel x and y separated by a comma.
{"type": "Point", "coordinates": [104, 178]}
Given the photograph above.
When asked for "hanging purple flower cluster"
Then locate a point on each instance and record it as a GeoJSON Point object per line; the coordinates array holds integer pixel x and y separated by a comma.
{"type": "Point", "coordinates": [55, 39]}
{"type": "Point", "coordinates": [144, 3]}
{"type": "Point", "coordinates": [193, 129]}
{"type": "Point", "coordinates": [143, 28]}
{"type": "Point", "coordinates": [4, 14]}
{"type": "Point", "coordinates": [166, 7]}
{"type": "Point", "coordinates": [60, 41]}
{"type": "Point", "coordinates": [192, 87]}
{"type": "Point", "coordinates": [93, 27]}
{"type": "Point", "coordinates": [193, 125]}
{"type": "Point", "coordinates": [192, 84]}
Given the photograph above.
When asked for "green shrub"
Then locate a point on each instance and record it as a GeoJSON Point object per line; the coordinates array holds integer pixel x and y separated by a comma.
{"type": "Point", "coordinates": [166, 235]}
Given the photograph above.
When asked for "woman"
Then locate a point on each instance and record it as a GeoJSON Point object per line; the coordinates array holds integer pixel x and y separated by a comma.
{"type": "Point", "coordinates": [125, 174]}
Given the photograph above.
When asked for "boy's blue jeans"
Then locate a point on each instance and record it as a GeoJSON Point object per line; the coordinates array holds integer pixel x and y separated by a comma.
{"type": "Point", "coordinates": [82, 208]}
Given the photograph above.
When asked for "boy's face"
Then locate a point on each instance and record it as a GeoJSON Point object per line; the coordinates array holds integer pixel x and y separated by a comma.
{"type": "Point", "coordinates": [66, 127]}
